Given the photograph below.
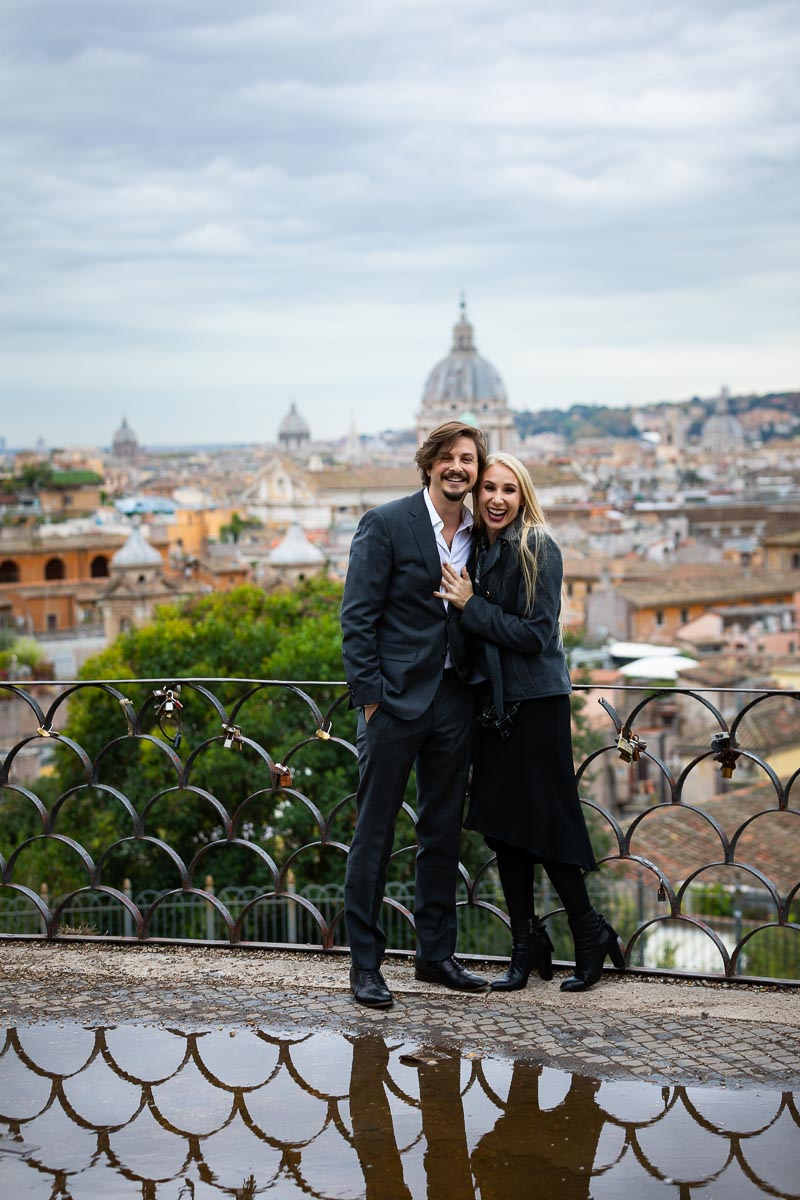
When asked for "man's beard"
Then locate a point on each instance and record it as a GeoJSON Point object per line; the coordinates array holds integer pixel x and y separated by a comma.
{"type": "Point", "coordinates": [455, 486]}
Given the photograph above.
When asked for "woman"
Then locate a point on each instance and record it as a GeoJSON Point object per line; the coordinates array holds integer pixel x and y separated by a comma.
{"type": "Point", "coordinates": [524, 799]}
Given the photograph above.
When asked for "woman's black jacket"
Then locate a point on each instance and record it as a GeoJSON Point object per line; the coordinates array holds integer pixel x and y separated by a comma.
{"type": "Point", "coordinates": [532, 657]}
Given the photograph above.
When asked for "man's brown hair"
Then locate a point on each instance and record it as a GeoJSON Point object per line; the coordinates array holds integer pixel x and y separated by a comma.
{"type": "Point", "coordinates": [441, 439]}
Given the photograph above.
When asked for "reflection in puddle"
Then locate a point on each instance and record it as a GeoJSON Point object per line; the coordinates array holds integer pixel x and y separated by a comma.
{"type": "Point", "coordinates": [162, 1115]}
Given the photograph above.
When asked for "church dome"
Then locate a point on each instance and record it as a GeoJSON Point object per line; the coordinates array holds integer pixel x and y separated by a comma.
{"type": "Point", "coordinates": [722, 432]}
{"type": "Point", "coordinates": [463, 381]}
{"type": "Point", "coordinates": [136, 552]}
{"type": "Point", "coordinates": [293, 426]}
{"type": "Point", "coordinates": [125, 444]}
{"type": "Point", "coordinates": [295, 550]}
{"type": "Point", "coordinates": [465, 387]}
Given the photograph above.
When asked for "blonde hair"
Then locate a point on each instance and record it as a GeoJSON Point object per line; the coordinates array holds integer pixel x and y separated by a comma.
{"type": "Point", "coordinates": [534, 531]}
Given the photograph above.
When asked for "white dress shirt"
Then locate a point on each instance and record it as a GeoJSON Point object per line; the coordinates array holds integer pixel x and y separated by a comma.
{"type": "Point", "coordinates": [457, 554]}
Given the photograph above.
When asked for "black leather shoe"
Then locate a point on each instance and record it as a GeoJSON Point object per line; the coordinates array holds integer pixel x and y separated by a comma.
{"type": "Point", "coordinates": [369, 988]}
{"type": "Point", "coordinates": [449, 973]}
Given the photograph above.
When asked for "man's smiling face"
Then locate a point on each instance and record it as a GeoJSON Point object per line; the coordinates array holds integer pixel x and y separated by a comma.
{"type": "Point", "coordinates": [455, 471]}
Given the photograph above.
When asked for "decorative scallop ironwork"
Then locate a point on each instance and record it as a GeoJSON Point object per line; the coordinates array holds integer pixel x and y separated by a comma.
{"type": "Point", "coordinates": [696, 809]}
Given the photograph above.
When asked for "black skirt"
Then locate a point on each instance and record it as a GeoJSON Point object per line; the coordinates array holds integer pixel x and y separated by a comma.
{"type": "Point", "coordinates": [523, 790]}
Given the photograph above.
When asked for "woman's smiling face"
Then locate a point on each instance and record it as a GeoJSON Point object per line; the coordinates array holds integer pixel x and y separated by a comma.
{"type": "Point", "coordinates": [499, 498]}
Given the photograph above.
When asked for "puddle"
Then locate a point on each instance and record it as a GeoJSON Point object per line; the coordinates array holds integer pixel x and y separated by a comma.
{"type": "Point", "coordinates": [156, 1114]}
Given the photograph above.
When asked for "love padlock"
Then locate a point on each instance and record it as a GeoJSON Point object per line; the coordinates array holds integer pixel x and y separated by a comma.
{"type": "Point", "coordinates": [233, 737]}
{"type": "Point", "coordinates": [630, 747]}
{"type": "Point", "coordinates": [282, 775]}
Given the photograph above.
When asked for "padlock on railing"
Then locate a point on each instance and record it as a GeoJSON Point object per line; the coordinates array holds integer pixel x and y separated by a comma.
{"type": "Point", "coordinates": [630, 746]}
{"type": "Point", "coordinates": [170, 705]}
{"type": "Point", "coordinates": [324, 731]}
{"type": "Point", "coordinates": [725, 754]}
{"type": "Point", "coordinates": [282, 775]}
{"type": "Point", "coordinates": [233, 737]}
{"type": "Point", "coordinates": [169, 710]}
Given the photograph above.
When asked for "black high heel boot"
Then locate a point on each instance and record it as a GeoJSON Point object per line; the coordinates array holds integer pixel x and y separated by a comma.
{"type": "Point", "coordinates": [594, 939]}
{"type": "Point", "coordinates": [531, 949]}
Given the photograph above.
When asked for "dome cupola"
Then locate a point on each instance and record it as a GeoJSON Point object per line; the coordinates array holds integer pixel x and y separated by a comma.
{"type": "Point", "coordinates": [293, 432]}
{"type": "Point", "coordinates": [466, 387]}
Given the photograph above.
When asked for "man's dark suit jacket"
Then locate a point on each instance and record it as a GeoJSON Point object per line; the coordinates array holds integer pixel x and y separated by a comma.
{"type": "Point", "coordinates": [395, 632]}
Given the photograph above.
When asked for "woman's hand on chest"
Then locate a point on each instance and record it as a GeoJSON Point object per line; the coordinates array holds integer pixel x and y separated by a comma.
{"type": "Point", "coordinates": [456, 589]}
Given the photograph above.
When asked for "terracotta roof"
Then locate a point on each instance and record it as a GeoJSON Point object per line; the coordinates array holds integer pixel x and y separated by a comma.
{"type": "Point", "coordinates": [679, 841]}
{"type": "Point", "coordinates": [724, 671]}
{"type": "Point", "coordinates": [598, 676]}
{"type": "Point", "coordinates": [546, 474]}
{"type": "Point", "coordinates": [56, 587]}
{"type": "Point", "coordinates": [772, 725]}
{"type": "Point", "coordinates": [582, 568]}
{"type": "Point", "coordinates": [363, 477]}
{"type": "Point", "coordinates": [790, 538]}
{"type": "Point", "coordinates": [40, 540]}
{"type": "Point", "coordinates": [709, 586]}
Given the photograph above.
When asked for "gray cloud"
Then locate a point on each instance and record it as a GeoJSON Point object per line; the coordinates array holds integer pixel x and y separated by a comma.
{"type": "Point", "coordinates": [207, 211]}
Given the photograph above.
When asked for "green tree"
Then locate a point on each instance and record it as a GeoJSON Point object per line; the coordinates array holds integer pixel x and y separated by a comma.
{"type": "Point", "coordinates": [34, 475]}
{"type": "Point", "coordinates": [236, 527]}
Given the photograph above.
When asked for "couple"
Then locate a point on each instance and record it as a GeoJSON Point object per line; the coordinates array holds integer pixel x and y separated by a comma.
{"type": "Point", "coordinates": [434, 603]}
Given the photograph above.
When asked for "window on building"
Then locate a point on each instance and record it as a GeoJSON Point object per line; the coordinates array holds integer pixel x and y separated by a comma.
{"type": "Point", "coordinates": [52, 621]}
{"type": "Point", "coordinates": [684, 615]}
{"type": "Point", "coordinates": [9, 571]}
{"type": "Point", "coordinates": [588, 589]}
{"type": "Point", "coordinates": [659, 616]}
{"type": "Point", "coordinates": [66, 501]}
{"type": "Point", "coordinates": [569, 589]}
{"type": "Point", "coordinates": [796, 562]}
{"type": "Point", "coordinates": [98, 568]}
{"type": "Point", "coordinates": [54, 569]}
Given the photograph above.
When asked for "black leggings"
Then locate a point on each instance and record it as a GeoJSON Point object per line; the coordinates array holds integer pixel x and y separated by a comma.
{"type": "Point", "coordinates": [516, 869]}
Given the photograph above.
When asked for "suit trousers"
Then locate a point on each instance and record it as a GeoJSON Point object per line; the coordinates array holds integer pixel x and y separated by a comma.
{"type": "Point", "coordinates": [439, 744]}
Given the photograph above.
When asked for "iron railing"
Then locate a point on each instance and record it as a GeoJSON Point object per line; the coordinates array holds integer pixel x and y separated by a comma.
{"type": "Point", "coordinates": [691, 798]}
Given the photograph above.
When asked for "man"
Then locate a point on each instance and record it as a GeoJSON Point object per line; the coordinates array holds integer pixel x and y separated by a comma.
{"type": "Point", "coordinates": [406, 674]}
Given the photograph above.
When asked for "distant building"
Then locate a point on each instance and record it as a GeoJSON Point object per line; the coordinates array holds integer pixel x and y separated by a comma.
{"type": "Point", "coordinates": [294, 435]}
{"type": "Point", "coordinates": [722, 435]}
{"type": "Point", "coordinates": [71, 493]}
{"type": "Point", "coordinates": [125, 444]}
{"type": "Point", "coordinates": [655, 608]}
{"type": "Point", "coordinates": [465, 387]}
{"type": "Point", "coordinates": [782, 549]}
{"type": "Point", "coordinates": [137, 586]}
{"type": "Point", "coordinates": [52, 579]}
{"type": "Point", "coordinates": [295, 558]}
{"type": "Point", "coordinates": [280, 495]}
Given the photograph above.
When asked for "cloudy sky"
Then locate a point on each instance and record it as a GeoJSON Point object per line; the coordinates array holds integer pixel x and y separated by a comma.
{"type": "Point", "coordinates": [210, 209]}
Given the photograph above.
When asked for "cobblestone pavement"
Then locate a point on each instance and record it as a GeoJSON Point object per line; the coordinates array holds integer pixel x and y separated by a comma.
{"type": "Point", "coordinates": [667, 1032]}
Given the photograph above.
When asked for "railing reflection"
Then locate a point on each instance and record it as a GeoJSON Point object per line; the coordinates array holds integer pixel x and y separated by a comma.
{"type": "Point", "coordinates": [150, 1113]}
{"type": "Point", "coordinates": [693, 813]}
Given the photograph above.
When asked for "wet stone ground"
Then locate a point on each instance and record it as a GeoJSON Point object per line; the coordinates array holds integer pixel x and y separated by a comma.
{"type": "Point", "coordinates": [666, 1032]}
{"type": "Point", "coordinates": [155, 1073]}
